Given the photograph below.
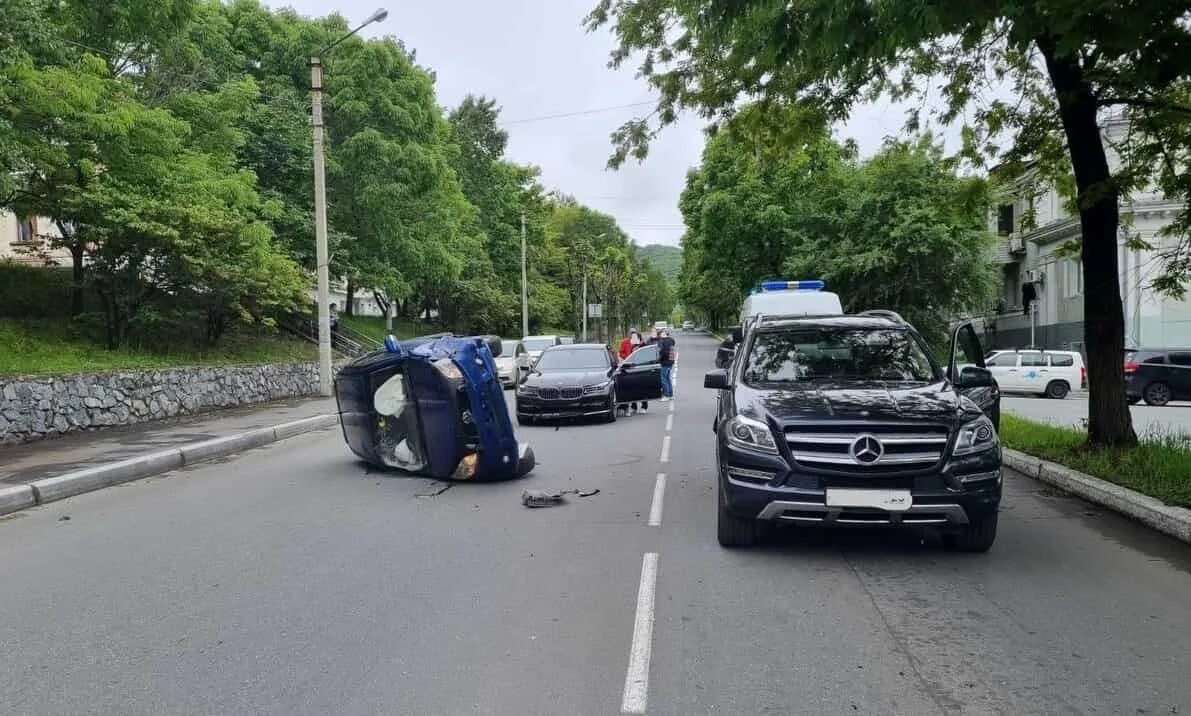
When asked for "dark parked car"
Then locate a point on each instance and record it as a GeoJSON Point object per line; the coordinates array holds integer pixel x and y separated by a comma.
{"type": "Point", "coordinates": [1158, 375]}
{"type": "Point", "coordinates": [850, 421]}
{"type": "Point", "coordinates": [584, 379]}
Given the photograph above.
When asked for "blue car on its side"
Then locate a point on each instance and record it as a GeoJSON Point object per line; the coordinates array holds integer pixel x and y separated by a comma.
{"type": "Point", "coordinates": [431, 406]}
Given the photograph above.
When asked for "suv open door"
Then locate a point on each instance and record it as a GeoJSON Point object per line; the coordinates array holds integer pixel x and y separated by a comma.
{"type": "Point", "coordinates": [967, 370]}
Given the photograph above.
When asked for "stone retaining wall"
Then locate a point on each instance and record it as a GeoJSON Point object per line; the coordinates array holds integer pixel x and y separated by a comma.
{"type": "Point", "coordinates": [35, 407]}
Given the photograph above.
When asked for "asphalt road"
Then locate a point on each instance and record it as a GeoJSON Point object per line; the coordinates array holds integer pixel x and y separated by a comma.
{"type": "Point", "coordinates": [1073, 411]}
{"type": "Point", "coordinates": [293, 580]}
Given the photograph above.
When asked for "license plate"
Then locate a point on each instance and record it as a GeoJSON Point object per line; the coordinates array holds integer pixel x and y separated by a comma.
{"type": "Point", "coordinates": [888, 500]}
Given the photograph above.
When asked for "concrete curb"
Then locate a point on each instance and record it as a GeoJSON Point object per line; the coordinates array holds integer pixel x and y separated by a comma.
{"type": "Point", "coordinates": [76, 482]}
{"type": "Point", "coordinates": [16, 497]}
{"type": "Point", "coordinates": [1174, 521]}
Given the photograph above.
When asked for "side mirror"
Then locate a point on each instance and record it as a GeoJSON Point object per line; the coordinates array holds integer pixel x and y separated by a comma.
{"type": "Point", "coordinates": [972, 377]}
{"type": "Point", "coordinates": [736, 333]}
{"type": "Point", "coordinates": [716, 379]}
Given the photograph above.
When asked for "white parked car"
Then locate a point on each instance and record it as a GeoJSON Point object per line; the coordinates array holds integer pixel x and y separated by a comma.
{"type": "Point", "coordinates": [1053, 374]}
{"type": "Point", "coordinates": [512, 352]}
{"type": "Point", "coordinates": [534, 345]}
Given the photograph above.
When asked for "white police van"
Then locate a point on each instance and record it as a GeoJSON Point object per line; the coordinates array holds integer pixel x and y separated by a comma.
{"type": "Point", "coordinates": [790, 298]}
{"type": "Point", "coordinates": [797, 298]}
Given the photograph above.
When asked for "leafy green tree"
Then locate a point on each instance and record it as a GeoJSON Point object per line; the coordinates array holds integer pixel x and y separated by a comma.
{"type": "Point", "coordinates": [1065, 62]}
{"type": "Point", "coordinates": [912, 237]}
{"type": "Point", "coordinates": [147, 204]}
{"type": "Point", "coordinates": [900, 230]}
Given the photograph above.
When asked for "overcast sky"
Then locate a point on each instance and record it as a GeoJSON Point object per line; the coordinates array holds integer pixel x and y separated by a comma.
{"type": "Point", "coordinates": [535, 58]}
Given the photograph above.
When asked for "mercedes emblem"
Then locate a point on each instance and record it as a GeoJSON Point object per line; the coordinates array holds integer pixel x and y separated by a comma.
{"type": "Point", "coordinates": [866, 449]}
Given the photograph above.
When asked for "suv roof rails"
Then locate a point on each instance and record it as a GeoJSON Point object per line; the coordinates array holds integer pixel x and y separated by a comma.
{"type": "Point", "coordinates": [766, 317]}
{"type": "Point", "coordinates": [882, 313]}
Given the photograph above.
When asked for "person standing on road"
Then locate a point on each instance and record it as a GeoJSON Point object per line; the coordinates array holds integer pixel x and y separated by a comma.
{"type": "Point", "coordinates": [632, 342]}
{"type": "Point", "coordinates": [667, 353]}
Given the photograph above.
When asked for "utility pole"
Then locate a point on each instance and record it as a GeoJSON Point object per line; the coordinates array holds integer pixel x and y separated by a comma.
{"type": "Point", "coordinates": [524, 284]}
{"type": "Point", "coordinates": [584, 304]}
{"type": "Point", "coordinates": [320, 230]}
{"type": "Point", "coordinates": [320, 209]}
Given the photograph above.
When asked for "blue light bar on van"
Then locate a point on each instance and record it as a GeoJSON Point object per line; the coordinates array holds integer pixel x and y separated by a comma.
{"type": "Point", "coordinates": [802, 285]}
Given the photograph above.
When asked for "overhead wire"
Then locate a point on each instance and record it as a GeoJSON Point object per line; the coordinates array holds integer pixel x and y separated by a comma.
{"type": "Point", "coordinates": [564, 115]}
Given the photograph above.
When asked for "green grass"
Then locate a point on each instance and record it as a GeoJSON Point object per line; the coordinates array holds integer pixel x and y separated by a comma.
{"type": "Point", "coordinates": [53, 346]}
{"type": "Point", "coordinates": [1159, 467]}
{"type": "Point", "coordinates": [374, 327]}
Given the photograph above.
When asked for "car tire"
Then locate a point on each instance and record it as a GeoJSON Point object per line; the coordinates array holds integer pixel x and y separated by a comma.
{"type": "Point", "coordinates": [1057, 389]}
{"type": "Point", "coordinates": [1157, 394]}
{"type": "Point", "coordinates": [733, 531]}
{"type": "Point", "coordinates": [1134, 401]}
{"type": "Point", "coordinates": [977, 536]}
{"type": "Point", "coordinates": [611, 416]}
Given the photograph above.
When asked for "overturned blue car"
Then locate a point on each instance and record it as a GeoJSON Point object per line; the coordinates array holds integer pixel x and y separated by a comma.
{"type": "Point", "coordinates": [431, 406]}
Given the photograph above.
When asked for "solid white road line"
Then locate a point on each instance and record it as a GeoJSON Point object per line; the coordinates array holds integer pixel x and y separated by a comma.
{"type": "Point", "coordinates": [636, 679]}
{"type": "Point", "coordinates": [659, 495]}
{"type": "Point", "coordinates": [669, 422]}
{"type": "Point", "coordinates": [666, 449]}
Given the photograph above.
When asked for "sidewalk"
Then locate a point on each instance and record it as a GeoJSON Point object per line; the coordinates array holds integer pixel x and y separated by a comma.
{"type": "Point", "coordinates": [22, 464]}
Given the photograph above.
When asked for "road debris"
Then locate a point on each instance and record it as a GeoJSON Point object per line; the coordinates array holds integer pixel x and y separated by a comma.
{"type": "Point", "coordinates": [550, 498]}
{"type": "Point", "coordinates": [434, 489]}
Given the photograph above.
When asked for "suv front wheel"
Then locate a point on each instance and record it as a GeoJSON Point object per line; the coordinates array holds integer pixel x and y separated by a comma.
{"type": "Point", "coordinates": [976, 536]}
{"type": "Point", "coordinates": [734, 531]}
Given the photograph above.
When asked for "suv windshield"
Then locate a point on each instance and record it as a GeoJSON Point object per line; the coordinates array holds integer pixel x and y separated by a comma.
{"type": "Point", "coordinates": [508, 348]}
{"type": "Point", "coordinates": [815, 354]}
{"type": "Point", "coordinates": [583, 359]}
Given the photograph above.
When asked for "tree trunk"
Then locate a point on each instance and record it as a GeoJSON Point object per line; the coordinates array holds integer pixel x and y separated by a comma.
{"type": "Point", "coordinates": [77, 305]}
{"type": "Point", "coordinates": [385, 305]}
{"type": "Point", "coordinates": [349, 297]}
{"type": "Point", "coordinates": [1109, 421]}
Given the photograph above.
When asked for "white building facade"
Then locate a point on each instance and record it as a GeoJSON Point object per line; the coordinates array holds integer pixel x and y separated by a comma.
{"type": "Point", "coordinates": [26, 239]}
{"type": "Point", "coordinates": [1033, 265]}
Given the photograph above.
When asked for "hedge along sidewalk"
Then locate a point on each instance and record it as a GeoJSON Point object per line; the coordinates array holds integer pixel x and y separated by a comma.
{"type": "Point", "coordinates": [46, 470]}
{"type": "Point", "coordinates": [1150, 483]}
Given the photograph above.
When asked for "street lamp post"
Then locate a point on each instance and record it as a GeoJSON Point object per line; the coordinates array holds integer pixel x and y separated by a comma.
{"type": "Point", "coordinates": [585, 307]}
{"type": "Point", "coordinates": [322, 259]}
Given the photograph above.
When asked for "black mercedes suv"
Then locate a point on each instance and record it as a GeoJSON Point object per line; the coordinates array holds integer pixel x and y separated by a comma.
{"type": "Point", "coordinates": [850, 421]}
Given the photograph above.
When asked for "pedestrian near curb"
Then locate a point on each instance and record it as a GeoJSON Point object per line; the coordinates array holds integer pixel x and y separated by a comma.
{"type": "Point", "coordinates": [667, 354]}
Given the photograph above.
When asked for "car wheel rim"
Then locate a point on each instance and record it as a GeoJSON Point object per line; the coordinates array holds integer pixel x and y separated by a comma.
{"type": "Point", "coordinates": [1158, 393]}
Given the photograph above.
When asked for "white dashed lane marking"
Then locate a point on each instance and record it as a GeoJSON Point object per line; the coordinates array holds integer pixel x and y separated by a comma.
{"type": "Point", "coordinates": [636, 679]}
{"type": "Point", "coordinates": [659, 496]}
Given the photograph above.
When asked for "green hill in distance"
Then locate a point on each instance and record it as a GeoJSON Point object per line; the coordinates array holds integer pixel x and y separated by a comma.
{"type": "Point", "coordinates": [667, 259]}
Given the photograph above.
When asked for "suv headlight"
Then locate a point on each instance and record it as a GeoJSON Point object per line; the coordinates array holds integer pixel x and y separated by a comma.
{"type": "Point", "coordinates": [597, 388]}
{"type": "Point", "coordinates": [976, 436]}
{"type": "Point", "coordinates": [750, 434]}
{"type": "Point", "coordinates": [524, 389]}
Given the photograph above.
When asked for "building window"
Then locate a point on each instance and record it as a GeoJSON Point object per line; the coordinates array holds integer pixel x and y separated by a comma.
{"type": "Point", "coordinates": [27, 230]}
{"type": "Point", "coordinates": [1005, 219]}
{"type": "Point", "coordinates": [1072, 278]}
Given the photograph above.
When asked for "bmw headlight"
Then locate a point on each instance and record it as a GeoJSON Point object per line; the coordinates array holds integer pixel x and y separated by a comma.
{"type": "Point", "coordinates": [976, 436]}
{"type": "Point", "coordinates": [524, 389]}
{"type": "Point", "coordinates": [750, 434]}
{"type": "Point", "coordinates": [597, 388]}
